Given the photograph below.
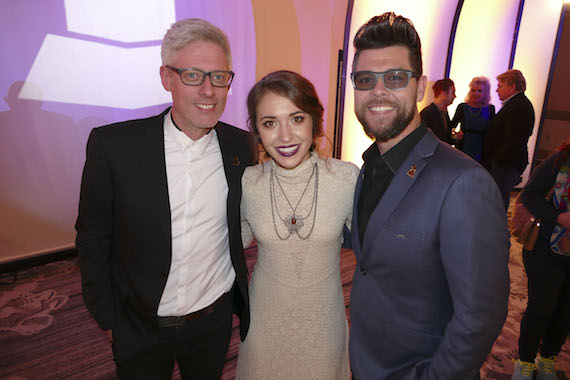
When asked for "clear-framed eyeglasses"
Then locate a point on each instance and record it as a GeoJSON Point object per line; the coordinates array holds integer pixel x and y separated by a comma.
{"type": "Point", "coordinates": [393, 79]}
{"type": "Point", "coordinates": [195, 77]}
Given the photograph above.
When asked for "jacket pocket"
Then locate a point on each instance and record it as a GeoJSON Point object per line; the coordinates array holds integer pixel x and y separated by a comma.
{"type": "Point", "coordinates": [412, 340]}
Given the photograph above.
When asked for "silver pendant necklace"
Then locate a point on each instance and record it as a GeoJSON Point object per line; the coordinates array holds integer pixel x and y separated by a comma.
{"type": "Point", "coordinates": [293, 222]}
{"type": "Point", "coordinates": [475, 111]}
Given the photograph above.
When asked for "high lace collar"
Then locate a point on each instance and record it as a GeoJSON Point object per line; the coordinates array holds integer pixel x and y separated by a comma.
{"type": "Point", "coordinates": [301, 171]}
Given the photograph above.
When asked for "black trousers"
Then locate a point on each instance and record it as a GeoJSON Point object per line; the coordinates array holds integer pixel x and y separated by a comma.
{"type": "Point", "coordinates": [547, 316]}
{"type": "Point", "coordinates": [506, 177]}
{"type": "Point", "coordinates": [198, 346]}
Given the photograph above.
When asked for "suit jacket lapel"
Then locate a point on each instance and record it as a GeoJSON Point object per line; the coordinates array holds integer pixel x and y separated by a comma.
{"type": "Point", "coordinates": [404, 179]}
{"type": "Point", "coordinates": [355, 229]}
{"type": "Point", "coordinates": [153, 161]}
{"type": "Point", "coordinates": [233, 167]}
{"type": "Point", "coordinates": [230, 157]}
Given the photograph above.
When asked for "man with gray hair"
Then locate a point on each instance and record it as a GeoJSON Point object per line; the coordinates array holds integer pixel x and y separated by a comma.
{"type": "Point", "coordinates": [505, 152]}
{"type": "Point", "coordinates": [158, 231]}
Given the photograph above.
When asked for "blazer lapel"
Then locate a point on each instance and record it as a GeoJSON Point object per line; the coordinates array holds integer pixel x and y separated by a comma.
{"type": "Point", "coordinates": [355, 229]}
{"type": "Point", "coordinates": [233, 166]}
{"type": "Point", "coordinates": [153, 162]}
{"type": "Point", "coordinates": [404, 179]}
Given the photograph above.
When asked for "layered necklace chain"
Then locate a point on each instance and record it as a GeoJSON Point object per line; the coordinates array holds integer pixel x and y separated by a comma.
{"type": "Point", "coordinates": [475, 111]}
{"type": "Point", "coordinates": [293, 221]}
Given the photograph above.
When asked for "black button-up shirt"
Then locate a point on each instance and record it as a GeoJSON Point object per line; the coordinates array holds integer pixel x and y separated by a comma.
{"type": "Point", "coordinates": [379, 170]}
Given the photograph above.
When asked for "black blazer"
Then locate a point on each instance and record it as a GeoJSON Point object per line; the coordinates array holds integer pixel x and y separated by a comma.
{"type": "Point", "coordinates": [507, 137]}
{"type": "Point", "coordinates": [124, 230]}
{"type": "Point", "coordinates": [432, 117]}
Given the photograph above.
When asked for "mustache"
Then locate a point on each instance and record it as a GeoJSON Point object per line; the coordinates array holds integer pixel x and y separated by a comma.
{"type": "Point", "coordinates": [380, 103]}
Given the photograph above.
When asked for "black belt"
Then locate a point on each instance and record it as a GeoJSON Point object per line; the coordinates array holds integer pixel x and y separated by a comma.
{"type": "Point", "coordinates": [180, 320]}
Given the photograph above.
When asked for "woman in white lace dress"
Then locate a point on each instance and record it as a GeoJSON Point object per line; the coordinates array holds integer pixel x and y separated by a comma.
{"type": "Point", "coordinates": [296, 205]}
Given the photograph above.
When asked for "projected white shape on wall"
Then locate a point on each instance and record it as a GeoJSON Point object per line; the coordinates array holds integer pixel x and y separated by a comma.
{"type": "Point", "coordinates": [91, 67]}
{"type": "Point", "coordinates": [64, 78]}
{"type": "Point", "coordinates": [120, 20]}
{"type": "Point", "coordinates": [85, 76]}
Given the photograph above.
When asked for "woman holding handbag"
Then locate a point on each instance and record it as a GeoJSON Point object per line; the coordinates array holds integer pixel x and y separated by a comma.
{"type": "Point", "coordinates": [546, 321]}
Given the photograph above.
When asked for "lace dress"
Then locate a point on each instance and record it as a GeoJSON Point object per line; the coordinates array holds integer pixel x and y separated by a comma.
{"type": "Point", "coordinates": [298, 324]}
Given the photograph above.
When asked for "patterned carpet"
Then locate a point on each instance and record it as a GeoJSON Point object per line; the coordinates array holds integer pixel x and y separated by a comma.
{"type": "Point", "coordinates": [46, 332]}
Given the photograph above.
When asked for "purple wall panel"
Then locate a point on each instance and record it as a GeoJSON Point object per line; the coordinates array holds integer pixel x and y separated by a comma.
{"type": "Point", "coordinates": [42, 140]}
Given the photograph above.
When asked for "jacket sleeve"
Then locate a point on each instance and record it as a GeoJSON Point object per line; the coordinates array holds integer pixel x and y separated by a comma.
{"type": "Point", "coordinates": [474, 249]}
{"type": "Point", "coordinates": [95, 233]}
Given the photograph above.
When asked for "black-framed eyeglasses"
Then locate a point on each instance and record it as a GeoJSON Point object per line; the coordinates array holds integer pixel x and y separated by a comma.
{"type": "Point", "coordinates": [195, 77]}
{"type": "Point", "coordinates": [393, 79]}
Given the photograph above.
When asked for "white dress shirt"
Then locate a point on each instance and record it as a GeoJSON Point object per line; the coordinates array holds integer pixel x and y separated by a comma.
{"type": "Point", "coordinates": [201, 269]}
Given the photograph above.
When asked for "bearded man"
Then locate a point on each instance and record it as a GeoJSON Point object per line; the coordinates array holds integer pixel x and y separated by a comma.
{"type": "Point", "coordinates": [429, 229]}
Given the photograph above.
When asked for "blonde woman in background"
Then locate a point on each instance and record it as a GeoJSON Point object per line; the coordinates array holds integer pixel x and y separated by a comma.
{"type": "Point", "coordinates": [474, 116]}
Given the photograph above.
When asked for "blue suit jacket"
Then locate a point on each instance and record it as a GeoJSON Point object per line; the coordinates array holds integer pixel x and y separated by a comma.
{"type": "Point", "coordinates": [431, 285]}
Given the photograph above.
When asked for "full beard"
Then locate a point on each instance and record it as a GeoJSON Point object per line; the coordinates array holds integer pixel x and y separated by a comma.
{"type": "Point", "coordinates": [384, 130]}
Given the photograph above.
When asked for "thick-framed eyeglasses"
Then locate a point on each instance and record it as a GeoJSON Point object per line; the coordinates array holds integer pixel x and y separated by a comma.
{"type": "Point", "coordinates": [195, 77]}
{"type": "Point", "coordinates": [393, 79]}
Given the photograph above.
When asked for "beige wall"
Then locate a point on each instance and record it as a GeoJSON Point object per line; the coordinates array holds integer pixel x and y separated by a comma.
{"type": "Point", "coordinates": [305, 37]}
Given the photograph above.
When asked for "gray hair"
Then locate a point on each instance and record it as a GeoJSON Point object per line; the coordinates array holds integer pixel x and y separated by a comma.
{"type": "Point", "coordinates": [185, 32]}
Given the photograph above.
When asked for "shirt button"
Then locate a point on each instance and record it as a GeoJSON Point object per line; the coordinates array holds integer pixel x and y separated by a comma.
{"type": "Point", "coordinates": [363, 271]}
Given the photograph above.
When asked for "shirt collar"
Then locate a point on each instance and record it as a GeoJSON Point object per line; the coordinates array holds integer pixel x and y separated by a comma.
{"type": "Point", "coordinates": [510, 97]}
{"type": "Point", "coordinates": [394, 158]}
{"type": "Point", "coordinates": [183, 141]}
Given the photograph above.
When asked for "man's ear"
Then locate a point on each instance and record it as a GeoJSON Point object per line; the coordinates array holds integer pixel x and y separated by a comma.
{"type": "Point", "coordinates": [165, 78]}
{"type": "Point", "coordinates": [422, 84]}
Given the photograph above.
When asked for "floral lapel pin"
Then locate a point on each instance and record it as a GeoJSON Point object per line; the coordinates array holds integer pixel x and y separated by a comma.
{"type": "Point", "coordinates": [236, 161]}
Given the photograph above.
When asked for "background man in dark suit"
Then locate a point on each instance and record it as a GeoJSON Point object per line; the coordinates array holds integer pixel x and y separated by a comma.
{"type": "Point", "coordinates": [158, 231]}
{"type": "Point", "coordinates": [505, 150]}
{"type": "Point", "coordinates": [435, 115]}
{"type": "Point", "coordinates": [429, 231]}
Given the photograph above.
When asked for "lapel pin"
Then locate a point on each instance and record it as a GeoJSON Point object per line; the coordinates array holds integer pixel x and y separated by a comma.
{"type": "Point", "coordinates": [235, 161]}
{"type": "Point", "coordinates": [412, 172]}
